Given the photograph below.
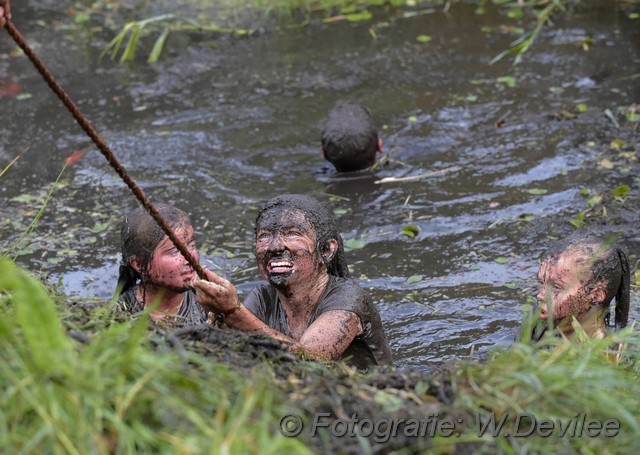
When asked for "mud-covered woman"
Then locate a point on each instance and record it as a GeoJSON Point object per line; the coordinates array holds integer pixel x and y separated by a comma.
{"type": "Point", "coordinates": [309, 301]}
{"type": "Point", "coordinates": [580, 277]}
{"type": "Point", "coordinates": [154, 276]}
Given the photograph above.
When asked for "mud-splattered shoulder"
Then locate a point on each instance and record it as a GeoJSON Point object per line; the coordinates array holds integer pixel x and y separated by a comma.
{"type": "Point", "coordinates": [128, 302]}
{"type": "Point", "coordinates": [346, 294]}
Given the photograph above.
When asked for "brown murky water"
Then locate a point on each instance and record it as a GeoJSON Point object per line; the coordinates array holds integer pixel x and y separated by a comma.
{"type": "Point", "coordinates": [217, 131]}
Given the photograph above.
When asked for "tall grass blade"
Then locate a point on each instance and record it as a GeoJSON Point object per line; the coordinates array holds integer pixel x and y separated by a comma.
{"type": "Point", "coordinates": [37, 316]}
{"type": "Point", "coordinates": [8, 166]}
{"type": "Point", "coordinates": [21, 241]}
{"type": "Point", "coordinates": [158, 46]}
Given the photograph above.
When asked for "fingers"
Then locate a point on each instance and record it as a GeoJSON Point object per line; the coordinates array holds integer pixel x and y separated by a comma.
{"type": "Point", "coordinates": [5, 12]}
{"type": "Point", "coordinates": [214, 278]}
{"type": "Point", "coordinates": [214, 286]}
{"type": "Point", "coordinates": [215, 293]}
{"type": "Point", "coordinates": [208, 288]}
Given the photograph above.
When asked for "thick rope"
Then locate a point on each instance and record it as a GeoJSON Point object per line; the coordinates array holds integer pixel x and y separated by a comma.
{"type": "Point", "coordinates": [103, 147]}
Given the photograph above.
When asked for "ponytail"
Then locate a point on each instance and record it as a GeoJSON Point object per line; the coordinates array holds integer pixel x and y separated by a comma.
{"type": "Point", "coordinates": [624, 290]}
{"type": "Point", "coordinates": [127, 278]}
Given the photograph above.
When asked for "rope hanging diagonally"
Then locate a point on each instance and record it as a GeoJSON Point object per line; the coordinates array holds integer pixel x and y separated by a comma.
{"type": "Point", "coordinates": [103, 147]}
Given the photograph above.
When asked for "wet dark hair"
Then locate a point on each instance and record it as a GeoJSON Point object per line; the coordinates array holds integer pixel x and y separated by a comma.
{"type": "Point", "coordinates": [609, 269]}
{"type": "Point", "coordinates": [349, 138]}
{"type": "Point", "coordinates": [321, 220]}
{"type": "Point", "coordinates": [140, 235]}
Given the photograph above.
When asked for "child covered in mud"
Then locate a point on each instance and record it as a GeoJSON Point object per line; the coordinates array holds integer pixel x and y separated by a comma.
{"type": "Point", "coordinates": [308, 299]}
{"type": "Point", "coordinates": [579, 278]}
{"type": "Point", "coordinates": [154, 275]}
{"type": "Point", "coordinates": [349, 138]}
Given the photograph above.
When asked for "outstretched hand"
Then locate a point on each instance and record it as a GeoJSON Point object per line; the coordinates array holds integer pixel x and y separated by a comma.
{"type": "Point", "coordinates": [5, 12]}
{"type": "Point", "coordinates": [216, 293]}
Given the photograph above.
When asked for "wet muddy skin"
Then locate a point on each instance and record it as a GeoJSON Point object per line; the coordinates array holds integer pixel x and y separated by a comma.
{"type": "Point", "coordinates": [218, 131]}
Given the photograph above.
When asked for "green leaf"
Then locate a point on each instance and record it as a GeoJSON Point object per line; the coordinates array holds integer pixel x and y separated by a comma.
{"type": "Point", "coordinates": [354, 244]}
{"type": "Point", "coordinates": [606, 163]}
{"type": "Point", "coordinates": [515, 13]}
{"type": "Point", "coordinates": [582, 107]}
{"type": "Point", "coordinates": [537, 191]}
{"type": "Point", "coordinates": [23, 198]}
{"type": "Point", "coordinates": [509, 81]}
{"type": "Point", "coordinates": [594, 200]}
{"type": "Point", "coordinates": [413, 119]}
{"type": "Point", "coordinates": [361, 16]}
{"type": "Point", "coordinates": [578, 222]}
{"type": "Point", "coordinates": [130, 49]}
{"type": "Point", "coordinates": [24, 96]}
{"type": "Point", "coordinates": [414, 279]}
{"type": "Point", "coordinates": [100, 227]}
{"type": "Point", "coordinates": [617, 144]}
{"type": "Point", "coordinates": [37, 316]}
{"type": "Point", "coordinates": [502, 260]}
{"type": "Point", "coordinates": [158, 46]}
{"type": "Point", "coordinates": [82, 18]}
{"type": "Point", "coordinates": [423, 38]}
{"type": "Point", "coordinates": [632, 116]}
{"type": "Point", "coordinates": [410, 231]}
{"type": "Point", "coordinates": [611, 117]}
{"type": "Point", "coordinates": [621, 191]}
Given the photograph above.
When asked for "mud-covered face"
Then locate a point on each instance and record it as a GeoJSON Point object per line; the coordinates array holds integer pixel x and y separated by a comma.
{"type": "Point", "coordinates": [168, 268]}
{"type": "Point", "coordinates": [286, 248]}
{"type": "Point", "coordinates": [563, 286]}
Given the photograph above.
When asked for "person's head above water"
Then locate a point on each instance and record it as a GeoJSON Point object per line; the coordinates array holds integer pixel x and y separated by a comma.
{"type": "Point", "coordinates": [296, 234]}
{"type": "Point", "coordinates": [149, 256]}
{"type": "Point", "coordinates": [580, 276]}
{"type": "Point", "coordinates": [349, 137]}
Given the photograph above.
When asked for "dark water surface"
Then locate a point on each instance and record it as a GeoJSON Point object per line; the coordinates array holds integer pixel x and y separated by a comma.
{"type": "Point", "coordinates": [218, 131]}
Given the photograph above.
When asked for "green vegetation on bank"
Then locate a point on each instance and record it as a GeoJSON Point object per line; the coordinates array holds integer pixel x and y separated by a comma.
{"type": "Point", "coordinates": [526, 18]}
{"type": "Point", "coordinates": [116, 394]}
{"type": "Point", "coordinates": [97, 385]}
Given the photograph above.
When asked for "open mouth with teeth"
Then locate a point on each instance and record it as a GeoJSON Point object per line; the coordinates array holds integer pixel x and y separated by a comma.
{"type": "Point", "coordinates": [279, 266]}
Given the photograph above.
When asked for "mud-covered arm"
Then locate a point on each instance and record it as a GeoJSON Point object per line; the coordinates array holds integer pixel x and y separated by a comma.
{"type": "Point", "coordinates": [326, 339]}
{"type": "Point", "coordinates": [5, 11]}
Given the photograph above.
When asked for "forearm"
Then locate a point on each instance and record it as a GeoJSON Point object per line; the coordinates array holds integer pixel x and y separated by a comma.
{"type": "Point", "coordinates": [245, 321]}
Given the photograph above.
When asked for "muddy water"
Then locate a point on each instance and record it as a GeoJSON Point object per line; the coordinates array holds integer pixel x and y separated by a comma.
{"type": "Point", "coordinates": [218, 130]}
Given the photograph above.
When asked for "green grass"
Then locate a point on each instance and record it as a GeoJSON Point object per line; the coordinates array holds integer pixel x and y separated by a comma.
{"type": "Point", "coordinates": [116, 394]}
{"type": "Point", "coordinates": [123, 389]}
{"type": "Point", "coordinates": [559, 380]}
